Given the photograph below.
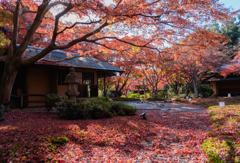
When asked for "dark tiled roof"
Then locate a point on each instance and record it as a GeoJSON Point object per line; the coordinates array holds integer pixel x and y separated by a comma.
{"type": "Point", "coordinates": [224, 79]}
{"type": "Point", "coordinates": [230, 64]}
{"type": "Point", "coordinates": [79, 62]}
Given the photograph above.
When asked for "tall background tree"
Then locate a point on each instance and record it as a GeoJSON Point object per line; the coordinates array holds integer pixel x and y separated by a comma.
{"type": "Point", "coordinates": [199, 53]}
{"type": "Point", "coordinates": [231, 29]}
{"type": "Point", "coordinates": [67, 24]}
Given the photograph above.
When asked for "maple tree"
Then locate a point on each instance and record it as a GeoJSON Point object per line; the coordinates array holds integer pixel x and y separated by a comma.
{"type": "Point", "coordinates": [122, 80]}
{"type": "Point", "coordinates": [175, 78]}
{"type": "Point", "coordinates": [109, 82]}
{"type": "Point", "coordinates": [199, 53]}
{"type": "Point", "coordinates": [128, 85]}
{"type": "Point", "coordinates": [47, 24]}
{"type": "Point", "coordinates": [153, 73]}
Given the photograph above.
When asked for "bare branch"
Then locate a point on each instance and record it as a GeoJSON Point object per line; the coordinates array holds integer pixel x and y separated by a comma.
{"type": "Point", "coordinates": [83, 23]}
{"type": "Point", "coordinates": [86, 15]}
{"type": "Point", "coordinates": [54, 4]}
{"type": "Point", "coordinates": [83, 38]}
{"type": "Point", "coordinates": [111, 48]}
{"type": "Point", "coordinates": [102, 38]}
{"type": "Point", "coordinates": [58, 16]}
{"type": "Point", "coordinates": [144, 46]}
{"type": "Point", "coordinates": [117, 4]}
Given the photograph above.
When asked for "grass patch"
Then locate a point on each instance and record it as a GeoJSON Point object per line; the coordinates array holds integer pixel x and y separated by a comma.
{"type": "Point", "coordinates": [209, 102]}
{"type": "Point", "coordinates": [223, 143]}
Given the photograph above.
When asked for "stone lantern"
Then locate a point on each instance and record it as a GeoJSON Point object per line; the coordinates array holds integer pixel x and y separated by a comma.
{"type": "Point", "coordinates": [72, 80]}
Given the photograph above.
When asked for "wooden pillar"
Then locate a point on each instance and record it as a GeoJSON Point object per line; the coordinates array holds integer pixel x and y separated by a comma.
{"type": "Point", "coordinates": [104, 87]}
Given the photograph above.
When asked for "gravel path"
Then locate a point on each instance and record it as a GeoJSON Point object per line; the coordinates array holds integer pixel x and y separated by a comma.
{"type": "Point", "coordinates": [160, 105]}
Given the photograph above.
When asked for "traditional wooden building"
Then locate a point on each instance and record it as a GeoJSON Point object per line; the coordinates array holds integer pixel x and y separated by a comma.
{"type": "Point", "coordinates": [223, 85]}
{"type": "Point", "coordinates": [44, 77]}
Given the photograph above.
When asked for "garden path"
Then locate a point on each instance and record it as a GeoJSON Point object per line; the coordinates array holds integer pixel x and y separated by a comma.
{"type": "Point", "coordinates": [159, 105]}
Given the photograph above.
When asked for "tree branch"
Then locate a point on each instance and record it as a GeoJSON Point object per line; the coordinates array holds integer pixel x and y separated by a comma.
{"type": "Point", "coordinates": [16, 25]}
{"type": "Point", "coordinates": [58, 16]}
{"type": "Point", "coordinates": [76, 24]}
{"type": "Point", "coordinates": [83, 38]}
{"type": "Point", "coordinates": [37, 21]}
{"type": "Point", "coordinates": [109, 47]}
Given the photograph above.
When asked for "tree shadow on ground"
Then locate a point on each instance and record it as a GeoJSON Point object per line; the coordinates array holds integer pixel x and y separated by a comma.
{"type": "Point", "coordinates": [26, 136]}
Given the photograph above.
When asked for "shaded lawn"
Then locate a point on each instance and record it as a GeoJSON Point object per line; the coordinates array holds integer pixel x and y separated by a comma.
{"type": "Point", "coordinates": [164, 136]}
{"type": "Point", "coordinates": [207, 102]}
{"type": "Point", "coordinates": [223, 144]}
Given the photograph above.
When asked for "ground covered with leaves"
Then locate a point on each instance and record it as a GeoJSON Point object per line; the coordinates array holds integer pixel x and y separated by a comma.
{"type": "Point", "coordinates": [223, 144]}
{"type": "Point", "coordinates": [164, 136]}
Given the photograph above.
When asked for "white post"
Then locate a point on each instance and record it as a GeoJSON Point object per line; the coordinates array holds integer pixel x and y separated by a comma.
{"type": "Point", "coordinates": [221, 104]}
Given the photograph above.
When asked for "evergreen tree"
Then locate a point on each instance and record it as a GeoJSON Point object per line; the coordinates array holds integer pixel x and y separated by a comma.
{"type": "Point", "coordinates": [230, 28]}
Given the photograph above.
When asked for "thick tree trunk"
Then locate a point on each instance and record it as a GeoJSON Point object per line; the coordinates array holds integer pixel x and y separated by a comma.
{"type": "Point", "coordinates": [6, 83]}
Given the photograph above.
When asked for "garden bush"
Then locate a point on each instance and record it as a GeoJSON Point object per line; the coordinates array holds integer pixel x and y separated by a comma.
{"type": "Point", "coordinates": [51, 100]}
{"type": "Point", "coordinates": [204, 90]}
{"type": "Point", "coordinates": [2, 109]}
{"type": "Point", "coordinates": [134, 95]}
{"type": "Point", "coordinates": [123, 96]}
{"type": "Point", "coordinates": [101, 107]}
{"type": "Point", "coordinates": [69, 110]}
{"type": "Point", "coordinates": [162, 94]}
{"type": "Point", "coordinates": [141, 97]}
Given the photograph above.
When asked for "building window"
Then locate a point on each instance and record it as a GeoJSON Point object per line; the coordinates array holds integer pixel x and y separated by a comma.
{"type": "Point", "coordinates": [62, 73]}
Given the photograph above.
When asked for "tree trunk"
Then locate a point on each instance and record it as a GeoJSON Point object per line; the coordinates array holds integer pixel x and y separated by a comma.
{"type": "Point", "coordinates": [152, 91]}
{"type": "Point", "coordinates": [126, 93]}
{"type": "Point", "coordinates": [156, 92]}
{"type": "Point", "coordinates": [187, 89]}
{"type": "Point", "coordinates": [6, 84]}
{"type": "Point", "coordinates": [195, 81]}
{"type": "Point", "coordinates": [195, 87]}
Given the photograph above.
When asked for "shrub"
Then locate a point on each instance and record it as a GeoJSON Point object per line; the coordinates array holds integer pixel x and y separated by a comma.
{"type": "Point", "coordinates": [128, 110]}
{"type": "Point", "coordinates": [162, 94]}
{"type": "Point", "coordinates": [59, 140]}
{"type": "Point", "coordinates": [69, 110]}
{"type": "Point", "coordinates": [2, 109]}
{"type": "Point", "coordinates": [148, 95]}
{"type": "Point", "coordinates": [121, 113]}
{"type": "Point", "coordinates": [134, 95]}
{"type": "Point", "coordinates": [123, 96]}
{"type": "Point", "coordinates": [51, 100]}
{"type": "Point", "coordinates": [116, 107]}
{"type": "Point", "coordinates": [141, 97]}
{"type": "Point", "coordinates": [204, 90]}
{"type": "Point", "coordinates": [93, 109]}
